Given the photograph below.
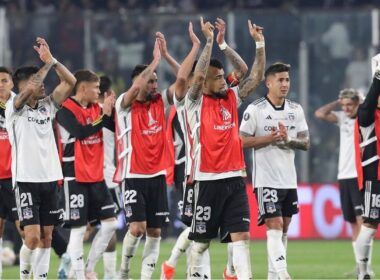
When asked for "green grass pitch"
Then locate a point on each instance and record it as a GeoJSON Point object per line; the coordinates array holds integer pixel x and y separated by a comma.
{"type": "Point", "coordinates": [306, 260]}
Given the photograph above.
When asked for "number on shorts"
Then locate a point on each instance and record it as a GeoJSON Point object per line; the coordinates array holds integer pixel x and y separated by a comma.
{"type": "Point", "coordinates": [26, 199]}
{"type": "Point", "coordinates": [190, 194]}
{"type": "Point", "coordinates": [270, 195]}
{"type": "Point", "coordinates": [376, 200]}
{"type": "Point", "coordinates": [76, 201]}
{"type": "Point", "coordinates": [130, 196]}
{"type": "Point", "coordinates": [203, 213]}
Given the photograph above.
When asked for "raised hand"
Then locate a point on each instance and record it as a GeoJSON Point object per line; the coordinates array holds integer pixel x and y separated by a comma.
{"type": "Point", "coordinates": [194, 39]}
{"type": "Point", "coordinates": [162, 43]}
{"type": "Point", "coordinates": [207, 29]}
{"type": "Point", "coordinates": [221, 26]}
{"type": "Point", "coordinates": [156, 51]}
{"type": "Point", "coordinates": [283, 131]}
{"type": "Point", "coordinates": [256, 32]}
{"type": "Point", "coordinates": [43, 51]}
{"type": "Point", "coordinates": [109, 103]}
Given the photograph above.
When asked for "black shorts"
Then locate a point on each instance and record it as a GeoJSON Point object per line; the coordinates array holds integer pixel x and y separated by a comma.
{"type": "Point", "coordinates": [350, 199]}
{"type": "Point", "coordinates": [117, 198]}
{"type": "Point", "coordinates": [220, 206]}
{"type": "Point", "coordinates": [145, 199]}
{"type": "Point", "coordinates": [276, 203]}
{"type": "Point", "coordinates": [187, 204]}
{"type": "Point", "coordinates": [371, 213]}
{"type": "Point", "coordinates": [87, 203]}
{"type": "Point", "coordinates": [8, 208]}
{"type": "Point", "coordinates": [37, 203]}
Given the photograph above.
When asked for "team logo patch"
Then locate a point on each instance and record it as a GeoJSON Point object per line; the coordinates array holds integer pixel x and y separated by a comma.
{"type": "Point", "coordinates": [188, 210]}
{"type": "Point", "coordinates": [246, 116]}
{"type": "Point", "coordinates": [27, 213]}
{"type": "Point", "coordinates": [74, 214]}
{"type": "Point", "coordinates": [270, 207]}
{"type": "Point", "coordinates": [42, 110]}
{"type": "Point", "coordinates": [200, 227]}
{"type": "Point", "coordinates": [291, 116]}
{"type": "Point", "coordinates": [128, 211]}
{"type": "Point", "coordinates": [374, 213]}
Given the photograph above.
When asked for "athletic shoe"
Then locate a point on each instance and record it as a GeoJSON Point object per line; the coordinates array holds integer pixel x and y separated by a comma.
{"type": "Point", "coordinates": [228, 277]}
{"type": "Point", "coordinates": [90, 275]}
{"type": "Point", "coordinates": [64, 267]}
{"type": "Point", "coordinates": [167, 272]}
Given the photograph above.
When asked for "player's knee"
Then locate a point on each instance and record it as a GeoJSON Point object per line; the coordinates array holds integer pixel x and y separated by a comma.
{"type": "Point", "coordinates": [110, 225]}
{"type": "Point", "coordinates": [137, 229]}
{"type": "Point", "coordinates": [32, 240]}
{"type": "Point", "coordinates": [274, 223]}
{"type": "Point", "coordinates": [200, 247]}
{"type": "Point", "coordinates": [239, 236]}
{"type": "Point", "coordinates": [46, 241]}
{"type": "Point", "coordinates": [153, 232]}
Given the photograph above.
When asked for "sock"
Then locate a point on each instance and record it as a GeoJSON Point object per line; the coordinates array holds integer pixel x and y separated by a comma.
{"type": "Point", "coordinates": [230, 266]}
{"type": "Point", "coordinates": [284, 239]}
{"type": "Point", "coordinates": [150, 256]}
{"type": "Point", "coordinates": [241, 259]}
{"type": "Point", "coordinates": [179, 248]}
{"type": "Point", "coordinates": [354, 249]}
{"type": "Point", "coordinates": [41, 263]}
{"type": "Point", "coordinates": [363, 244]}
{"type": "Point", "coordinates": [26, 257]}
{"type": "Point", "coordinates": [130, 244]}
{"type": "Point", "coordinates": [369, 264]}
{"type": "Point", "coordinates": [206, 265]}
{"type": "Point", "coordinates": [272, 274]}
{"type": "Point", "coordinates": [1, 260]}
{"type": "Point", "coordinates": [109, 261]}
{"type": "Point", "coordinates": [75, 249]}
{"type": "Point", "coordinates": [276, 251]}
{"type": "Point", "coordinates": [100, 243]}
{"type": "Point", "coordinates": [196, 267]}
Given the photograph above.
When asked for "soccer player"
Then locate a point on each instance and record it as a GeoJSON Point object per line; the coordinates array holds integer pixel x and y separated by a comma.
{"type": "Point", "coordinates": [350, 196]}
{"type": "Point", "coordinates": [274, 127]}
{"type": "Point", "coordinates": [8, 210]}
{"type": "Point", "coordinates": [87, 198]}
{"type": "Point", "coordinates": [35, 162]}
{"type": "Point", "coordinates": [367, 157]}
{"type": "Point", "coordinates": [221, 200]}
{"type": "Point", "coordinates": [143, 158]}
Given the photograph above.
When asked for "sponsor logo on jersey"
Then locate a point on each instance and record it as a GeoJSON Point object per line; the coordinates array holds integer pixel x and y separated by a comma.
{"type": "Point", "coordinates": [152, 121]}
{"type": "Point", "coordinates": [27, 213]}
{"type": "Point", "coordinates": [268, 117]}
{"type": "Point", "coordinates": [200, 227]}
{"type": "Point", "coordinates": [153, 127]}
{"type": "Point", "coordinates": [225, 114]}
{"type": "Point", "coordinates": [39, 121]}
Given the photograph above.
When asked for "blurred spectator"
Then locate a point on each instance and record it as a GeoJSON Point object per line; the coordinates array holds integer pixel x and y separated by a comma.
{"type": "Point", "coordinates": [358, 73]}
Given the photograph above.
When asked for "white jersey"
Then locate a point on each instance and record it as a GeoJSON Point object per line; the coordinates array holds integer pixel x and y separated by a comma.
{"type": "Point", "coordinates": [347, 167]}
{"type": "Point", "coordinates": [273, 167]}
{"type": "Point", "coordinates": [124, 122]}
{"type": "Point", "coordinates": [34, 150]}
{"type": "Point", "coordinates": [109, 157]}
{"type": "Point", "coordinates": [193, 110]}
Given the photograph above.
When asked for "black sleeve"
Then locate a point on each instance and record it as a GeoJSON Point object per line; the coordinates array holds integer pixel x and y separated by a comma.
{"type": "Point", "coordinates": [109, 122]}
{"type": "Point", "coordinates": [367, 110]}
{"type": "Point", "coordinates": [67, 119]}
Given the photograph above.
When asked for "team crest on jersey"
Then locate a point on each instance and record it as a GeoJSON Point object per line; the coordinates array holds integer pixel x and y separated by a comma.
{"type": "Point", "coordinates": [374, 214]}
{"type": "Point", "coordinates": [225, 114]}
{"type": "Point", "coordinates": [43, 110]}
{"type": "Point", "coordinates": [128, 211]}
{"type": "Point", "coordinates": [88, 120]}
{"type": "Point", "coordinates": [200, 227]}
{"type": "Point", "coordinates": [74, 214]}
{"type": "Point", "coordinates": [27, 213]}
{"type": "Point", "coordinates": [188, 211]}
{"type": "Point", "coordinates": [291, 116]}
{"type": "Point", "coordinates": [270, 207]}
{"type": "Point", "coordinates": [246, 116]}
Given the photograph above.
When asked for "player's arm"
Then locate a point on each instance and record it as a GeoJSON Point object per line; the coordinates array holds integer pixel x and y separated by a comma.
{"type": "Point", "coordinates": [301, 142]}
{"type": "Point", "coordinates": [186, 66]}
{"type": "Point", "coordinates": [203, 61]}
{"type": "Point", "coordinates": [325, 112]}
{"type": "Point", "coordinates": [367, 110]}
{"type": "Point", "coordinates": [258, 142]}
{"type": "Point", "coordinates": [142, 79]}
{"type": "Point", "coordinates": [240, 67]}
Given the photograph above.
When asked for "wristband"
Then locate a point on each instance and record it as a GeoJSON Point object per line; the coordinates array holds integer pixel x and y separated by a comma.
{"type": "Point", "coordinates": [54, 62]}
{"type": "Point", "coordinates": [223, 46]}
{"type": "Point", "coordinates": [260, 44]}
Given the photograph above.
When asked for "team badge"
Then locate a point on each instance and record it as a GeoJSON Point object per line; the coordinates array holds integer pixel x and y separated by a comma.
{"type": "Point", "coordinates": [291, 116]}
{"type": "Point", "coordinates": [74, 214]}
{"type": "Point", "coordinates": [270, 207]}
{"type": "Point", "coordinates": [374, 214]}
{"type": "Point", "coordinates": [200, 227]}
{"type": "Point", "coordinates": [27, 213]}
{"type": "Point", "coordinates": [188, 210]}
{"type": "Point", "coordinates": [246, 116]}
{"type": "Point", "coordinates": [43, 110]}
{"type": "Point", "coordinates": [128, 211]}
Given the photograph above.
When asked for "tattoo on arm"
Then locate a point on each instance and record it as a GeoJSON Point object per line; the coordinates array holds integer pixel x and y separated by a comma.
{"type": "Point", "coordinates": [302, 142]}
{"type": "Point", "coordinates": [237, 62]}
{"type": "Point", "coordinates": [256, 76]}
{"type": "Point", "coordinates": [201, 70]}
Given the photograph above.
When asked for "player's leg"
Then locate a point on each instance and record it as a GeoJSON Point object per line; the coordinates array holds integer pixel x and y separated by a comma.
{"type": "Point", "coordinates": [110, 259]}
{"type": "Point", "coordinates": [42, 255]}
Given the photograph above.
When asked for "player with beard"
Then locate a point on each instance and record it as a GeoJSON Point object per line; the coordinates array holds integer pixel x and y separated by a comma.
{"type": "Point", "coordinates": [221, 201]}
{"type": "Point", "coordinates": [35, 162]}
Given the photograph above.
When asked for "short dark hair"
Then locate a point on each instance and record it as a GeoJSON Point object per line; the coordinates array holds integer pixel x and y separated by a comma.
{"type": "Point", "coordinates": [4, 69]}
{"type": "Point", "coordinates": [23, 74]}
{"type": "Point", "coordinates": [277, 67]}
{"type": "Point", "coordinates": [105, 84]}
{"type": "Point", "coordinates": [216, 63]}
{"type": "Point", "coordinates": [84, 76]}
{"type": "Point", "coordinates": [138, 69]}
